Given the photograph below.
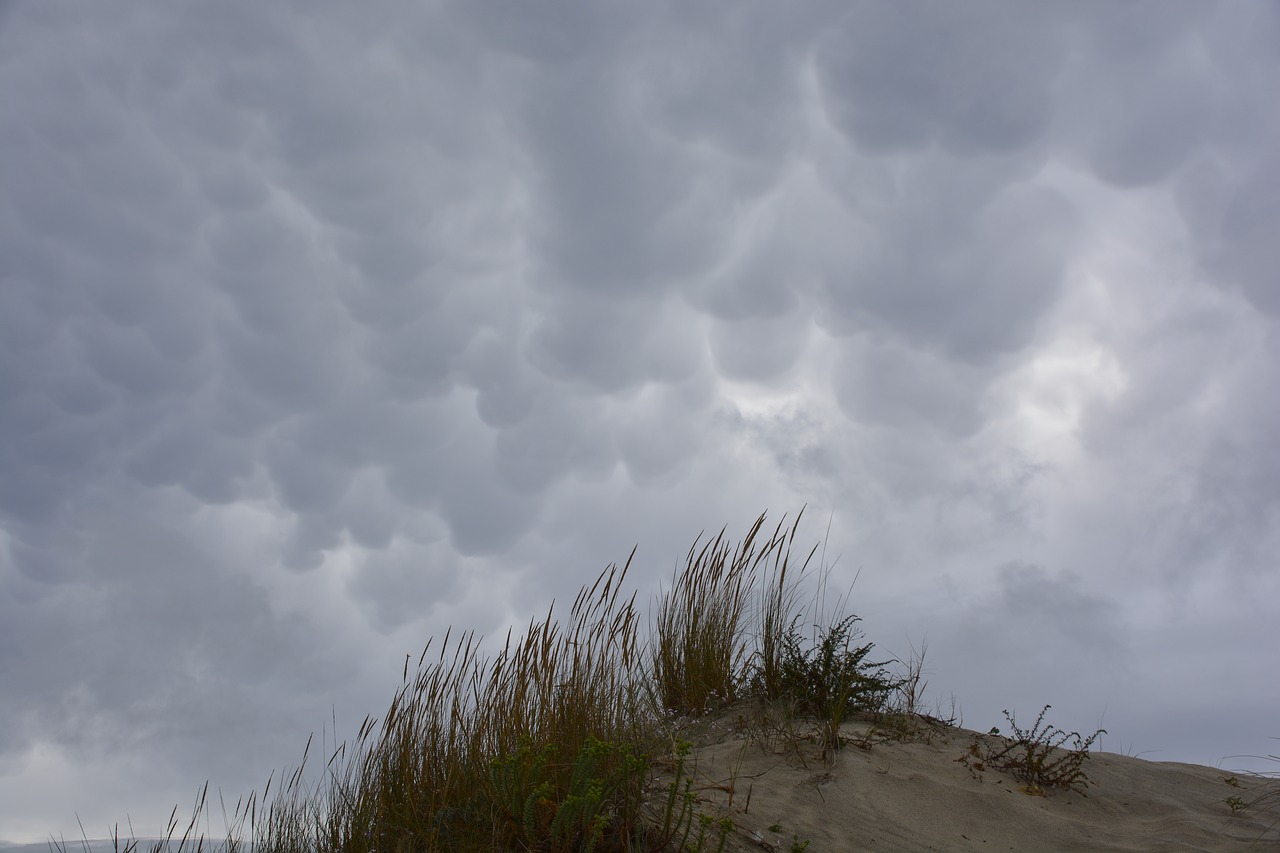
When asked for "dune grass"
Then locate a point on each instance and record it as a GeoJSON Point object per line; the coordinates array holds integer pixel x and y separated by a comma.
{"type": "Point", "coordinates": [551, 744]}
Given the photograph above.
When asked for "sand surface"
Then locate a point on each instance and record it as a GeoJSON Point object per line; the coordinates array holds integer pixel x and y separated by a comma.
{"type": "Point", "coordinates": [905, 795]}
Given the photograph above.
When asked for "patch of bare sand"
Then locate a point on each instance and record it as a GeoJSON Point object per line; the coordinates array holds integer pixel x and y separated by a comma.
{"type": "Point", "coordinates": [902, 796]}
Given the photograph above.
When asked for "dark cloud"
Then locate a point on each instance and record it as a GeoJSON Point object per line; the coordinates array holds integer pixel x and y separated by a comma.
{"type": "Point", "coordinates": [977, 79]}
{"type": "Point", "coordinates": [613, 345]}
{"type": "Point", "coordinates": [977, 290]}
{"type": "Point", "coordinates": [1232, 214]}
{"type": "Point", "coordinates": [758, 349]}
{"type": "Point", "coordinates": [402, 582]}
{"type": "Point", "coordinates": [1039, 605]}
{"type": "Point", "coordinates": [554, 442]}
{"type": "Point", "coordinates": [891, 385]}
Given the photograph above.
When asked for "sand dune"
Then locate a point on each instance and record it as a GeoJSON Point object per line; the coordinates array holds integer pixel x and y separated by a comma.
{"type": "Point", "coordinates": [913, 795]}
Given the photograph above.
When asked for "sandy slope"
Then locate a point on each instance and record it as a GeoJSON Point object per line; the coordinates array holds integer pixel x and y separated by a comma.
{"type": "Point", "coordinates": [902, 796]}
{"type": "Point", "coordinates": [905, 796]}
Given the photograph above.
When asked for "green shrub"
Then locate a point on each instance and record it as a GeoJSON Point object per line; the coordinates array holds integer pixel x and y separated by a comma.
{"type": "Point", "coordinates": [832, 675]}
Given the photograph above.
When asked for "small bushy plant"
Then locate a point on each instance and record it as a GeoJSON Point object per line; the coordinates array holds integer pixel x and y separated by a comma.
{"type": "Point", "coordinates": [831, 677]}
{"type": "Point", "coordinates": [1042, 756]}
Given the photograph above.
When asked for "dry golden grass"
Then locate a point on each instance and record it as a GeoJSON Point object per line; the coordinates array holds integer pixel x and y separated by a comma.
{"type": "Point", "coordinates": [552, 744]}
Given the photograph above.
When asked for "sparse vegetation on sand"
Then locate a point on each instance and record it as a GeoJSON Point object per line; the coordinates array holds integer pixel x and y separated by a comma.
{"type": "Point", "coordinates": [1265, 798]}
{"type": "Point", "coordinates": [1041, 757]}
{"type": "Point", "coordinates": [572, 737]}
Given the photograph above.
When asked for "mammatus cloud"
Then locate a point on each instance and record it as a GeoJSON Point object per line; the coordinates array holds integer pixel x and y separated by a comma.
{"type": "Point", "coordinates": [323, 328]}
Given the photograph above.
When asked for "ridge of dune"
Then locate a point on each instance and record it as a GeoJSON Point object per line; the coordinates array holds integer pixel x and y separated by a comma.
{"type": "Point", "coordinates": [886, 795]}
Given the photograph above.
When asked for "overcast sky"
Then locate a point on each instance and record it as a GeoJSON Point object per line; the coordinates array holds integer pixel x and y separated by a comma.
{"type": "Point", "coordinates": [324, 326]}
